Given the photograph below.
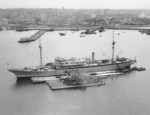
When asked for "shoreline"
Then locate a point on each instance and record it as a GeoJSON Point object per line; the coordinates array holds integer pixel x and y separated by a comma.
{"type": "Point", "coordinates": [83, 28]}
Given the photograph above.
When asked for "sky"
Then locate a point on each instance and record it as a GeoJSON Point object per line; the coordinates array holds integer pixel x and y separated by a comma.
{"type": "Point", "coordinates": [76, 4]}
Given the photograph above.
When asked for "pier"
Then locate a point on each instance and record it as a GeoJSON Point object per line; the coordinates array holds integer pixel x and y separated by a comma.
{"type": "Point", "coordinates": [86, 28]}
{"type": "Point", "coordinates": [58, 85]}
{"type": "Point", "coordinates": [32, 37]}
{"type": "Point", "coordinates": [88, 81]}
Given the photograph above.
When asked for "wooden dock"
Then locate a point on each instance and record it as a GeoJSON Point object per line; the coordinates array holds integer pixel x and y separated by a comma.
{"type": "Point", "coordinates": [32, 37]}
{"type": "Point", "coordinates": [58, 85]}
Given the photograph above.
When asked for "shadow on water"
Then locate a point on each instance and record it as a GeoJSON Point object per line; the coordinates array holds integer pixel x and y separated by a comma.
{"type": "Point", "coordinates": [72, 89]}
{"type": "Point", "coordinates": [23, 82]}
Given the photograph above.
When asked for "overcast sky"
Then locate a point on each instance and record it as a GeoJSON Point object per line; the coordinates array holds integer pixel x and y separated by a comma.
{"type": "Point", "coordinates": [77, 4]}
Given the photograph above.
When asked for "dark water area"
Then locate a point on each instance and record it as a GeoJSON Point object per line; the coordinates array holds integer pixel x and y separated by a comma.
{"type": "Point", "coordinates": [127, 94]}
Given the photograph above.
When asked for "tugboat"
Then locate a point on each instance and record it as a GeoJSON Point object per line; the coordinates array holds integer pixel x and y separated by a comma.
{"type": "Point", "coordinates": [139, 68]}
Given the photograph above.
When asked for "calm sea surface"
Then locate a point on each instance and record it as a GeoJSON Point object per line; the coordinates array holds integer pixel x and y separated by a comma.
{"type": "Point", "coordinates": [127, 94]}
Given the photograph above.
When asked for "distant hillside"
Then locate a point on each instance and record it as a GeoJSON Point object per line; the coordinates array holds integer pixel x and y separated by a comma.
{"type": "Point", "coordinates": [71, 17]}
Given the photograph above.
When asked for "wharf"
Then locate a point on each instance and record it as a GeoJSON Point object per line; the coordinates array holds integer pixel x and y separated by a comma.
{"type": "Point", "coordinates": [122, 27]}
{"type": "Point", "coordinates": [60, 28]}
{"type": "Point", "coordinates": [58, 85]}
{"type": "Point", "coordinates": [128, 28]}
{"type": "Point", "coordinates": [32, 37]}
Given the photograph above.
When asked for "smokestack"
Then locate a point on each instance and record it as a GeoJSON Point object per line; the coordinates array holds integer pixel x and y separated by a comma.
{"type": "Point", "coordinates": [93, 56]}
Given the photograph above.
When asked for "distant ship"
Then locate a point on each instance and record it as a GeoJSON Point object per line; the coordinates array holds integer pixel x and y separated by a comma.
{"type": "Point", "coordinates": [61, 66]}
{"type": "Point", "coordinates": [62, 34]}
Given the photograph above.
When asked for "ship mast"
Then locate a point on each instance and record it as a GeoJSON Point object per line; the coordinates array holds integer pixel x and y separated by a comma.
{"type": "Point", "coordinates": [113, 47]}
{"type": "Point", "coordinates": [40, 46]}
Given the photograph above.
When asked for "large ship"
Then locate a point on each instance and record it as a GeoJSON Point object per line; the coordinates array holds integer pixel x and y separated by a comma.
{"type": "Point", "coordinates": [62, 66]}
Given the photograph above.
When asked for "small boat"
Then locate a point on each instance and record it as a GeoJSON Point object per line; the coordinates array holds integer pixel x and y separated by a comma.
{"type": "Point", "coordinates": [138, 69]}
{"type": "Point", "coordinates": [62, 34]}
{"type": "Point", "coordinates": [42, 79]}
{"type": "Point", "coordinates": [148, 33]}
{"type": "Point", "coordinates": [145, 31]}
{"type": "Point", "coordinates": [141, 69]}
{"type": "Point", "coordinates": [109, 74]}
{"type": "Point", "coordinates": [90, 31]}
{"type": "Point", "coordinates": [106, 74]}
{"type": "Point", "coordinates": [82, 35]}
{"type": "Point", "coordinates": [82, 32]}
{"type": "Point", "coordinates": [102, 72]}
{"type": "Point", "coordinates": [101, 29]}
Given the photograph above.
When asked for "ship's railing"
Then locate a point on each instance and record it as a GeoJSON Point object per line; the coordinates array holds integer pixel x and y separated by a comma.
{"type": "Point", "coordinates": [29, 68]}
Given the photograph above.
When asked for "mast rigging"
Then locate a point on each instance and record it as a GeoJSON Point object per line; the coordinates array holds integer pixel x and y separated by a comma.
{"type": "Point", "coordinates": [40, 46]}
{"type": "Point", "coordinates": [113, 47]}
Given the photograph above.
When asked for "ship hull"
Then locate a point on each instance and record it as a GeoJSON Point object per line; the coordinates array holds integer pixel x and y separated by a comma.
{"type": "Point", "coordinates": [94, 68]}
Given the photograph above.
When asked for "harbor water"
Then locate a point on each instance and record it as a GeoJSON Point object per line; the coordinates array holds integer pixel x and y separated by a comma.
{"type": "Point", "coordinates": [127, 94]}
